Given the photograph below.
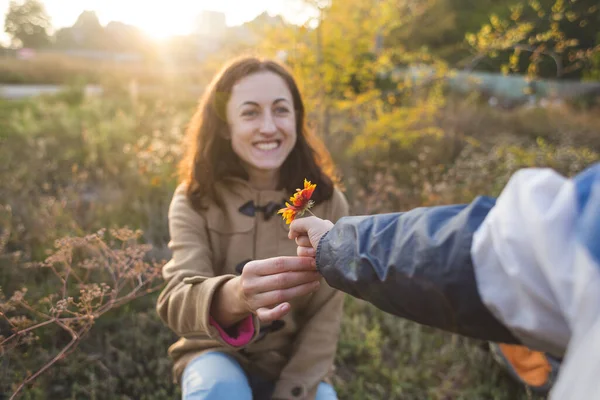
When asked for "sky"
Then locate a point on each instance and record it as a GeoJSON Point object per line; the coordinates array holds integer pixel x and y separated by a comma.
{"type": "Point", "coordinates": [163, 18]}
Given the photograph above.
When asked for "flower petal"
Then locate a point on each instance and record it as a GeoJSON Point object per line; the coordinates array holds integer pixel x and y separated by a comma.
{"type": "Point", "coordinates": [300, 202]}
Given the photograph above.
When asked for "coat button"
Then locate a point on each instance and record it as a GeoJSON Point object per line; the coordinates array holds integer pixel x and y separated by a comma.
{"type": "Point", "coordinates": [297, 391]}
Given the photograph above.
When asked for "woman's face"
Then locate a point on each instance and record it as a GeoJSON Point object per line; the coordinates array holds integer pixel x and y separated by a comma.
{"type": "Point", "coordinates": [262, 123]}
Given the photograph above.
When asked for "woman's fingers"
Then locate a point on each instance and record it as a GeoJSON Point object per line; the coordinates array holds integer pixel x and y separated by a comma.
{"type": "Point", "coordinates": [272, 314]}
{"type": "Point", "coordinates": [306, 251]}
{"type": "Point", "coordinates": [269, 299]}
{"type": "Point", "coordinates": [284, 280]}
{"type": "Point", "coordinates": [278, 265]}
{"type": "Point", "coordinates": [274, 282]}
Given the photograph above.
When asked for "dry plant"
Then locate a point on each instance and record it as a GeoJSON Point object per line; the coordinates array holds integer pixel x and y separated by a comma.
{"type": "Point", "coordinates": [117, 260]}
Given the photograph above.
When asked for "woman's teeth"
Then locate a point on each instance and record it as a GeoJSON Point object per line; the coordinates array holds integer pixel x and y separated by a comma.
{"type": "Point", "coordinates": [266, 146]}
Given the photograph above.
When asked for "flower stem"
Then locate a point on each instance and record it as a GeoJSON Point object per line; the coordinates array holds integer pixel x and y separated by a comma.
{"type": "Point", "coordinates": [311, 213]}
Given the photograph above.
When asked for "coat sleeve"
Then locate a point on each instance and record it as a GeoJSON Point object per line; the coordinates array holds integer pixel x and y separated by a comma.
{"type": "Point", "coordinates": [185, 302]}
{"type": "Point", "coordinates": [316, 342]}
{"type": "Point", "coordinates": [416, 265]}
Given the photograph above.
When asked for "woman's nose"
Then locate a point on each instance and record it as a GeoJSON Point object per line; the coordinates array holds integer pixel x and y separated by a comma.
{"type": "Point", "coordinates": [268, 124]}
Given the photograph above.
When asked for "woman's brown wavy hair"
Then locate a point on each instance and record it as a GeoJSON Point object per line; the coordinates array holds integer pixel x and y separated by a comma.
{"type": "Point", "coordinates": [209, 156]}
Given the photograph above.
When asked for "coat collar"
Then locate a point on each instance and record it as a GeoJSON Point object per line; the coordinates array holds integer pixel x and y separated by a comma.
{"type": "Point", "coordinates": [236, 195]}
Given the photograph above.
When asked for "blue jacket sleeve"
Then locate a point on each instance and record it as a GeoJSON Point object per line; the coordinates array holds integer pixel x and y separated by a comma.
{"type": "Point", "coordinates": [416, 265]}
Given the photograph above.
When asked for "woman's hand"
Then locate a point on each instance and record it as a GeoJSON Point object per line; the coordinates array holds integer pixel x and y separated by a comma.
{"type": "Point", "coordinates": [267, 286]}
{"type": "Point", "coordinates": [308, 233]}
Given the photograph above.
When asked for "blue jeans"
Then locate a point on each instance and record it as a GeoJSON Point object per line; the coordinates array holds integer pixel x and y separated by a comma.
{"type": "Point", "coordinates": [216, 375]}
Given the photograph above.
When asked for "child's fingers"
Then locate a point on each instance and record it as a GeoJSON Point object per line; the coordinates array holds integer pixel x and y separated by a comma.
{"type": "Point", "coordinates": [303, 241]}
{"type": "Point", "coordinates": [301, 226]}
{"type": "Point", "coordinates": [303, 251]}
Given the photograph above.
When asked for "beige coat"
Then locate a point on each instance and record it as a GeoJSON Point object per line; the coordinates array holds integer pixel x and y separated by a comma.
{"type": "Point", "coordinates": [206, 247]}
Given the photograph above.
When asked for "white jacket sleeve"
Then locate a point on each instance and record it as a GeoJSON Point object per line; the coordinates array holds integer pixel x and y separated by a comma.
{"type": "Point", "coordinates": [537, 265]}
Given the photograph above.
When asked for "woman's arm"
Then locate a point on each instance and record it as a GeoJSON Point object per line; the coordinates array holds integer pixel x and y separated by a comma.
{"type": "Point", "coordinates": [227, 307]}
{"type": "Point", "coordinates": [196, 302]}
{"type": "Point", "coordinates": [187, 302]}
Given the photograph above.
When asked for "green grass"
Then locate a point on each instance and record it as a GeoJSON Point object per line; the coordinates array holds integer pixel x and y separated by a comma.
{"type": "Point", "coordinates": [381, 356]}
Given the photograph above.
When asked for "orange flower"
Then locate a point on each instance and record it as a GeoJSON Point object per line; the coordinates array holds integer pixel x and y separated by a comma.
{"type": "Point", "coordinates": [301, 203]}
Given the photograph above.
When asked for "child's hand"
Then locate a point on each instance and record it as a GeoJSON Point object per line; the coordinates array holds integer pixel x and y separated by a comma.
{"type": "Point", "coordinates": [308, 233]}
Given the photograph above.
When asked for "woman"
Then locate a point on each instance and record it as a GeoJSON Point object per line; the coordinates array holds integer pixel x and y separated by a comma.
{"type": "Point", "coordinates": [255, 320]}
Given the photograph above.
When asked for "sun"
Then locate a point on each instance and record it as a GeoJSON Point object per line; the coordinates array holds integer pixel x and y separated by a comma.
{"type": "Point", "coordinates": [162, 22]}
{"type": "Point", "coordinates": [161, 31]}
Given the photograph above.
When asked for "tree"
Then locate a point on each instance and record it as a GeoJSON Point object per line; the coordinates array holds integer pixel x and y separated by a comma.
{"type": "Point", "coordinates": [347, 74]}
{"type": "Point", "coordinates": [441, 25]}
{"type": "Point", "coordinates": [548, 38]}
{"type": "Point", "coordinates": [27, 23]}
{"type": "Point", "coordinates": [89, 32]}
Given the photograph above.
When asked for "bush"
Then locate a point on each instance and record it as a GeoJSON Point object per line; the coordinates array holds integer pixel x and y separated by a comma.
{"type": "Point", "coordinates": [63, 70]}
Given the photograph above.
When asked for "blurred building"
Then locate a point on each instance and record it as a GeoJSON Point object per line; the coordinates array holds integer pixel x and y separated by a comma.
{"type": "Point", "coordinates": [209, 32]}
{"type": "Point", "coordinates": [210, 24]}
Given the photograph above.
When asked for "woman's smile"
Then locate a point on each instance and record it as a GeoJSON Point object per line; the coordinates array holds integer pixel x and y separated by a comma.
{"type": "Point", "coordinates": [267, 146]}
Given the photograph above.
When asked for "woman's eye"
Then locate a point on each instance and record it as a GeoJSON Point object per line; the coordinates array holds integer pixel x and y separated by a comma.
{"type": "Point", "coordinates": [281, 110]}
{"type": "Point", "coordinates": [249, 113]}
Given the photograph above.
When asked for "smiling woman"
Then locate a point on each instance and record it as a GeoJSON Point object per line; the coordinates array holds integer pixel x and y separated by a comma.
{"type": "Point", "coordinates": [255, 320]}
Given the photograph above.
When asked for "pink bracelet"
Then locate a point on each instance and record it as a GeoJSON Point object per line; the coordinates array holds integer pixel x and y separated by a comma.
{"type": "Point", "coordinates": [245, 331]}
